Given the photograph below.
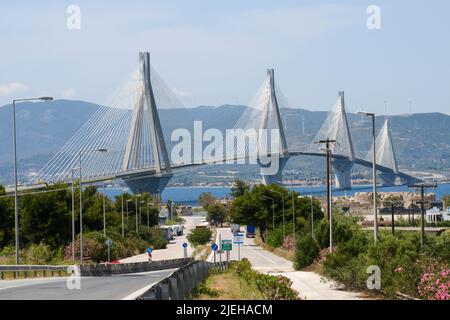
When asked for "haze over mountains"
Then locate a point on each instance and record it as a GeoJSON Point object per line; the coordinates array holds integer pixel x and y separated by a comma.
{"type": "Point", "coordinates": [421, 141]}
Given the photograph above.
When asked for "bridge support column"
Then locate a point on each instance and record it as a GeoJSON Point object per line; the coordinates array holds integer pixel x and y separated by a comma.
{"type": "Point", "coordinates": [151, 184]}
{"type": "Point", "coordinates": [267, 172]}
{"type": "Point", "coordinates": [343, 173]}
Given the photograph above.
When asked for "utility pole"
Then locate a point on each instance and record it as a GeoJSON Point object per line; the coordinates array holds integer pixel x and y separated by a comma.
{"type": "Point", "coordinates": [327, 143]}
{"type": "Point", "coordinates": [392, 218]}
{"type": "Point", "coordinates": [422, 187]}
{"type": "Point", "coordinates": [374, 174]}
{"type": "Point", "coordinates": [104, 209]}
{"type": "Point", "coordinates": [123, 228]}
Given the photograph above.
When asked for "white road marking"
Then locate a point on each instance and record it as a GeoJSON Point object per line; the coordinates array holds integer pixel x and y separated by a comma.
{"type": "Point", "coordinates": [137, 293]}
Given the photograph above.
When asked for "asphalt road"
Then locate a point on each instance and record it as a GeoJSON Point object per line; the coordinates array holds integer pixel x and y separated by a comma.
{"type": "Point", "coordinates": [174, 249]}
{"type": "Point", "coordinates": [261, 260]}
{"type": "Point", "coordinates": [309, 285]}
{"type": "Point", "coordinates": [116, 287]}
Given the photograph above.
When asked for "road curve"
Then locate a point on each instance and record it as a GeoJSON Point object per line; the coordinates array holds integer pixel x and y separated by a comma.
{"type": "Point", "coordinates": [115, 287]}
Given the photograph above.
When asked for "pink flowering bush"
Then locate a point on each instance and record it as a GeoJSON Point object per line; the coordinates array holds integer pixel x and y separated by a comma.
{"type": "Point", "coordinates": [435, 281]}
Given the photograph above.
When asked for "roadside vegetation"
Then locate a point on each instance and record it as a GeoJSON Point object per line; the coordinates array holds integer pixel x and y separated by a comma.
{"type": "Point", "coordinates": [46, 226]}
{"type": "Point", "coordinates": [241, 282]}
{"type": "Point", "coordinates": [405, 267]}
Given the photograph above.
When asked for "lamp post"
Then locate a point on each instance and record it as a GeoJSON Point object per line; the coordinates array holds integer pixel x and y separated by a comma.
{"type": "Point", "coordinates": [80, 153]}
{"type": "Point", "coordinates": [128, 200]}
{"type": "Point", "coordinates": [282, 199]}
{"type": "Point", "coordinates": [104, 208]}
{"type": "Point", "coordinates": [327, 149]}
{"type": "Point", "coordinates": [73, 212]}
{"type": "Point", "coordinates": [140, 211]}
{"type": "Point", "coordinates": [273, 210]}
{"type": "Point", "coordinates": [374, 174]}
{"type": "Point", "coordinates": [16, 196]}
{"type": "Point", "coordinates": [136, 209]}
{"type": "Point", "coordinates": [123, 228]}
{"type": "Point", "coordinates": [293, 217]}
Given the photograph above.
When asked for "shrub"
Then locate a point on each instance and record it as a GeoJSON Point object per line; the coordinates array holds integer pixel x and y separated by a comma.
{"type": "Point", "coordinates": [434, 281]}
{"type": "Point", "coordinates": [307, 251]}
{"type": "Point", "coordinates": [199, 236]}
{"type": "Point", "coordinates": [38, 254]}
{"type": "Point", "coordinates": [275, 238]}
{"type": "Point", "coordinates": [272, 287]}
{"type": "Point", "coordinates": [343, 230]}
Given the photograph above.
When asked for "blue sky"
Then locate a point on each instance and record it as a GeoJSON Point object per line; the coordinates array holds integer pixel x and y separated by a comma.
{"type": "Point", "coordinates": [216, 52]}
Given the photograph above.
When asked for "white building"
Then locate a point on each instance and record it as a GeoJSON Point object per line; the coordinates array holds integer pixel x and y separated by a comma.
{"type": "Point", "coordinates": [436, 215]}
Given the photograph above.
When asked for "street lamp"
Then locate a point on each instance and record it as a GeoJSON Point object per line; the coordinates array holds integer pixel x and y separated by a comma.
{"type": "Point", "coordinates": [374, 174]}
{"type": "Point", "coordinates": [16, 196]}
{"type": "Point", "coordinates": [293, 216]}
{"type": "Point", "coordinates": [80, 153]}
{"type": "Point", "coordinates": [129, 200]}
{"type": "Point", "coordinates": [73, 212]}
{"type": "Point", "coordinates": [282, 197]}
{"type": "Point", "coordinates": [140, 211]}
{"type": "Point", "coordinates": [104, 208]}
{"type": "Point", "coordinates": [136, 209]}
{"type": "Point", "coordinates": [273, 210]}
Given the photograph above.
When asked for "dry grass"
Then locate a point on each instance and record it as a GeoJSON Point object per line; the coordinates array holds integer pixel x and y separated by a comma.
{"type": "Point", "coordinates": [231, 287]}
{"type": "Point", "coordinates": [278, 251]}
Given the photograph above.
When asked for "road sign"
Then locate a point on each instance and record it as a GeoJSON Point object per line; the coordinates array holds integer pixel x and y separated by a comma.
{"type": "Point", "coordinates": [227, 245]}
{"type": "Point", "coordinates": [185, 245]}
{"type": "Point", "coordinates": [149, 250]}
{"type": "Point", "coordinates": [238, 238]}
{"type": "Point", "coordinates": [214, 247]}
{"type": "Point", "coordinates": [108, 242]}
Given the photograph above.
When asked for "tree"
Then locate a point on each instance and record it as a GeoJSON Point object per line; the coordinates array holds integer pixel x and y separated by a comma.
{"type": "Point", "coordinates": [239, 188]}
{"type": "Point", "coordinates": [216, 213]}
{"type": "Point", "coordinates": [46, 217]}
{"type": "Point", "coordinates": [6, 219]}
{"type": "Point", "coordinates": [206, 199]}
{"type": "Point", "coordinates": [199, 236]}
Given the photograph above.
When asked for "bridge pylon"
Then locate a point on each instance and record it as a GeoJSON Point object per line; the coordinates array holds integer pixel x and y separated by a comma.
{"type": "Point", "coordinates": [272, 114]}
{"type": "Point", "coordinates": [145, 126]}
{"type": "Point", "coordinates": [339, 131]}
{"type": "Point", "coordinates": [386, 155]}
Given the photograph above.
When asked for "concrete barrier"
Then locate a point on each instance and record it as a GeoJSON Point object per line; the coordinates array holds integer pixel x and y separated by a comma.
{"type": "Point", "coordinates": [103, 270]}
{"type": "Point", "coordinates": [179, 285]}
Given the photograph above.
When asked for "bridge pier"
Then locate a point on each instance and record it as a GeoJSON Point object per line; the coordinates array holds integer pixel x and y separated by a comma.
{"type": "Point", "coordinates": [151, 184]}
{"type": "Point", "coordinates": [343, 173]}
{"type": "Point", "coordinates": [267, 175]}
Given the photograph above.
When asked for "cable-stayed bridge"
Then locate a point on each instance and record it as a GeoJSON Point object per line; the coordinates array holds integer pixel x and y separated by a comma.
{"type": "Point", "coordinates": [128, 128]}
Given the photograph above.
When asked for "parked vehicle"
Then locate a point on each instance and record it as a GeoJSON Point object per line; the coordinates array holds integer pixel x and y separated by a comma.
{"type": "Point", "coordinates": [250, 231]}
{"type": "Point", "coordinates": [168, 233]}
{"type": "Point", "coordinates": [177, 230]}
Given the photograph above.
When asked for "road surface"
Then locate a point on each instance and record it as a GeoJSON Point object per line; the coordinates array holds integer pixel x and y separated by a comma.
{"type": "Point", "coordinates": [174, 249]}
{"type": "Point", "coordinates": [116, 287]}
{"type": "Point", "coordinates": [310, 285]}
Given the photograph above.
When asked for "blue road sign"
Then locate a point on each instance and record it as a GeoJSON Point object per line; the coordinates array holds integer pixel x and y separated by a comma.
{"type": "Point", "coordinates": [214, 247]}
{"type": "Point", "coordinates": [149, 250]}
{"type": "Point", "coordinates": [185, 245]}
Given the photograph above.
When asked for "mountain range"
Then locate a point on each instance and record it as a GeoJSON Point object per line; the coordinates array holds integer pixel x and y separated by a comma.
{"type": "Point", "coordinates": [421, 141]}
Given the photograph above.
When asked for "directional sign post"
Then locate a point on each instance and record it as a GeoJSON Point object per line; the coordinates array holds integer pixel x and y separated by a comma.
{"type": "Point", "coordinates": [214, 248]}
{"type": "Point", "coordinates": [149, 252]}
{"type": "Point", "coordinates": [227, 245]}
{"type": "Point", "coordinates": [185, 245]}
{"type": "Point", "coordinates": [238, 238]}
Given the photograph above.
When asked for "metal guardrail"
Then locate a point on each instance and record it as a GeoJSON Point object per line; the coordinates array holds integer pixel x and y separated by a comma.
{"type": "Point", "coordinates": [179, 285]}
{"type": "Point", "coordinates": [16, 269]}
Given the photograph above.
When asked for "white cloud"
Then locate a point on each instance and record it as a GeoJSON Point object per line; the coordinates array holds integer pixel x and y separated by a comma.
{"type": "Point", "coordinates": [13, 87]}
{"type": "Point", "coordinates": [68, 93]}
